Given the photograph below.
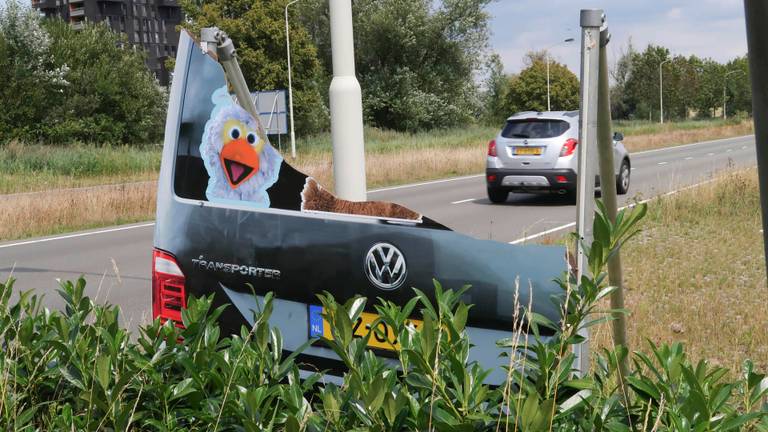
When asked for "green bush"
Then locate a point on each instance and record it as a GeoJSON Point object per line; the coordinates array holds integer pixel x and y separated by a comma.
{"type": "Point", "coordinates": [62, 85]}
{"type": "Point", "coordinates": [77, 369]}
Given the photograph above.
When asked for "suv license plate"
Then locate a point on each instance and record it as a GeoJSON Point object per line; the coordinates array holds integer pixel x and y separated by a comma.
{"type": "Point", "coordinates": [535, 151]}
{"type": "Point", "coordinates": [318, 327]}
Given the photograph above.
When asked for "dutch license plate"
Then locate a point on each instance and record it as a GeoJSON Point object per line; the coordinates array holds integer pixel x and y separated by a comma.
{"type": "Point", "coordinates": [318, 327]}
{"type": "Point", "coordinates": [534, 151]}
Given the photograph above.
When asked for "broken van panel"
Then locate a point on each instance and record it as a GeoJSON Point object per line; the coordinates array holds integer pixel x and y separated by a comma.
{"type": "Point", "coordinates": [233, 214]}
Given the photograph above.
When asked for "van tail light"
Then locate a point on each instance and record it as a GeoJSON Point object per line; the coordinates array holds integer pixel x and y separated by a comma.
{"type": "Point", "coordinates": [569, 147]}
{"type": "Point", "coordinates": [492, 148]}
{"type": "Point", "coordinates": [168, 292]}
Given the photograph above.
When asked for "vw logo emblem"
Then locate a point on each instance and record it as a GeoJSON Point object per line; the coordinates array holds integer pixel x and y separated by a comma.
{"type": "Point", "coordinates": [385, 266]}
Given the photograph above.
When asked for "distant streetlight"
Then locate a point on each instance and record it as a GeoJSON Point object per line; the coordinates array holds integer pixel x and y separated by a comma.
{"type": "Point", "coordinates": [290, 88]}
{"type": "Point", "coordinates": [661, 90]}
{"type": "Point", "coordinates": [725, 115]}
{"type": "Point", "coordinates": [549, 106]}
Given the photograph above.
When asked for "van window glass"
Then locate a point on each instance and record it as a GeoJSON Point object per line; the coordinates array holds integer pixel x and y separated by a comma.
{"type": "Point", "coordinates": [534, 128]}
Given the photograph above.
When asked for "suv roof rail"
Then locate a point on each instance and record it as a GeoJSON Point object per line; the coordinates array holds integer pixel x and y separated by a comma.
{"type": "Point", "coordinates": [571, 113]}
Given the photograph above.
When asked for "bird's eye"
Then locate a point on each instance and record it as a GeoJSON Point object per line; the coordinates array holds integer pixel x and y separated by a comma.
{"type": "Point", "coordinates": [251, 138]}
{"type": "Point", "coordinates": [234, 132]}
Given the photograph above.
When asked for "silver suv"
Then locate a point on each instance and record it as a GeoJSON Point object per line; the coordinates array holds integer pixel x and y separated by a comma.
{"type": "Point", "coordinates": [536, 152]}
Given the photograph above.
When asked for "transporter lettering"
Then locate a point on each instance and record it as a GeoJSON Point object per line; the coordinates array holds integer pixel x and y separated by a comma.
{"type": "Point", "coordinates": [215, 266]}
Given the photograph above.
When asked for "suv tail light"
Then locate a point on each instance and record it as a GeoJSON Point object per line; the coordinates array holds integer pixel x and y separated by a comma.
{"type": "Point", "coordinates": [569, 147]}
{"type": "Point", "coordinates": [168, 292]}
{"type": "Point", "coordinates": [492, 148]}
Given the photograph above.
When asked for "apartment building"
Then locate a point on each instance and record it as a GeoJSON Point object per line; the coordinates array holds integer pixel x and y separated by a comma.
{"type": "Point", "coordinates": [149, 24]}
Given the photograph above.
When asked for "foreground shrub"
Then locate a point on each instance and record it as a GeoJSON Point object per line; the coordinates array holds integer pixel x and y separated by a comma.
{"type": "Point", "coordinates": [78, 369]}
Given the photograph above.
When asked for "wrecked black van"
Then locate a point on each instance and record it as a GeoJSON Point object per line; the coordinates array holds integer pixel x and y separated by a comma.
{"type": "Point", "coordinates": [233, 217]}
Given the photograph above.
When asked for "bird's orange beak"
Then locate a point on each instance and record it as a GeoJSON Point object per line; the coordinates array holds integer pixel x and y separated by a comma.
{"type": "Point", "coordinates": [240, 161]}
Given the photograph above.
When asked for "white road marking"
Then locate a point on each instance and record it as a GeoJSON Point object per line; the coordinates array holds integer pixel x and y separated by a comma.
{"type": "Point", "coordinates": [743, 147]}
{"type": "Point", "coordinates": [662, 163]}
{"type": "Point", "coordinates": [689, 158]}
{"type": "Point", "coordinates": [83, 234]}
{"type": "Point", "coordinates": [710, 154]}
{"type": "Point", "coordinates": [464, 201]}
{"type": "Point", "coordinates": [690, 145]}
{"type": "Point", "coordinates": [633, 168]}
{"type": "Point", "coordinates": [729, 150]}
{"type": "Point", "coordinates": [562, 227]}
{"type": "Point", "coordinates": [425, 183]}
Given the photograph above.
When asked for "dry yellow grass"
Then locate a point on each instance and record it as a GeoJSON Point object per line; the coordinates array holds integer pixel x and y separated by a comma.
{"type": "Point", "coordinates": [696, 274]}
{"type": "Point", "coordinates": [671, 136]}
{"type": "Point", "coordinates": [401, 166]}
{"type": "Point", "coordinates": [42, 213]}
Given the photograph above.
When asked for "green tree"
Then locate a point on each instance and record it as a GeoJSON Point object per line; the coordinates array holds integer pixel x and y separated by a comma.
{"type": "Point", "coordinates": [62, 85]}
{"type": "Point", "coordinates": [642, 85]}
{"type": "Point", "coordinates": [30, 78]}
{"type": "Point", "coordinates": [257, 28]}
{"type": "Point", "coordinates": [415, 59]}
{"type": "Point", "coordinates": [528, 90]}
{"type": "Point", "coordinates": [738, 86]}
{"type": "Point", "coordinates": [495, 93]}
{"type": "Point", "coordinates": [110, 94]}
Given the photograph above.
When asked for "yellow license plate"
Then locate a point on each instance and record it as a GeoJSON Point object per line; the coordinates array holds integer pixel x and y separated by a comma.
{"type": "Point", "coordinates": [536, 151]}
{"type": "Point", "coordinates": [386, 340]}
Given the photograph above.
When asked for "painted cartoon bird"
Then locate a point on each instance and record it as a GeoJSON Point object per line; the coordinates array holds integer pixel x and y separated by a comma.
{"type": "Point", "coordinates": [241, 166]}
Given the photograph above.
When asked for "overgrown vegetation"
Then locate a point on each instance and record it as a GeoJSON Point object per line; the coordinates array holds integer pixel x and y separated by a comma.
{"type": "Point", "coordinates": [61, 85]}
{"type": "Point", "coordinates": [78, 369]}
{"type": "Point", "coordinates": [696, 274]}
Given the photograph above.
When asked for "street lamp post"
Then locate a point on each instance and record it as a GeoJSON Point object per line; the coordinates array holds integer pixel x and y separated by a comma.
{"type": "Point", "coordinates": [290, 88]}
{"type": "Point", "coordinates": [725, 115]}
{"type": "Point", "coordinates": [549, 105]}
{"type": "Point", "coordinates": [661, 91]}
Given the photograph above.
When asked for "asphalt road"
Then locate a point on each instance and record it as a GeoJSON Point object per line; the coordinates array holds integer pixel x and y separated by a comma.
{"type": "Point", "coordinates": [116, 261]}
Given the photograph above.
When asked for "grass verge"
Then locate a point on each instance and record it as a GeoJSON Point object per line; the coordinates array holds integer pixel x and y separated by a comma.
{"type": "Point", "coordinates": [696, 274]}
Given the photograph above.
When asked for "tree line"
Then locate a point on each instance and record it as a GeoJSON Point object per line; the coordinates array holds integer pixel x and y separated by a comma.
{"type": "Point", "coordinates": [692, 86]}
{"type": "Point", "coordinates": [422, 64]}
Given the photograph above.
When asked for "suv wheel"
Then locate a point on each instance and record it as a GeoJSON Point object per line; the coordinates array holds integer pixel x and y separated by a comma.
{"type": "Point", "coordinates": [622, 180]}
{"type": "Point", "coordinates": [497, 196]}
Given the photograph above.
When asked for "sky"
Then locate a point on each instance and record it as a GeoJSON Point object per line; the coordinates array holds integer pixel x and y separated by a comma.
{"type": "Point", "coordinates": [706, 28]}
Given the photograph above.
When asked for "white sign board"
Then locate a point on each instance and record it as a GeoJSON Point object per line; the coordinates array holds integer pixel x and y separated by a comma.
{"type": "Point", "coordinates": [271, 105]}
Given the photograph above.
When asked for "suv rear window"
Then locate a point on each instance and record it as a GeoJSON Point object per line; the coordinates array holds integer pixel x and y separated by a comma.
{"type": "Point", "coordinates": [534, 128]}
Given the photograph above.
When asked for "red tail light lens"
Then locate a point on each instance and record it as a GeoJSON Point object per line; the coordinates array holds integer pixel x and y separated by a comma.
{"type": "Point", "coordinates": [168, 292]}
{"type": "Point", "coordinates": [492, 148]}
{"type": "Point", "coordinates": [569, 147]}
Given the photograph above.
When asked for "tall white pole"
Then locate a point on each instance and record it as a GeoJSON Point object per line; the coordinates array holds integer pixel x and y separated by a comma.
{"type": "Point", "coordinates": [290, 87]}
{"type": "Point", "coordinates": [661, 92]}
{"type": "Point", "coordinates": [549, 106]}
{"type": "Point", "coordinates": [346, 107]}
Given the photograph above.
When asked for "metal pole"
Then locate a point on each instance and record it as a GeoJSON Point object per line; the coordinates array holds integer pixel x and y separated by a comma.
{"type": "Point", "coordinates": [608, 193]}
{"type": "Point", "coordinates": [212, 37]}
{"type": "Point", "coordinates": [290, 87]}
{"type": "Point", "coordinates": [591, 20]}
{"type": "Point", "coordinates": [549, 107]}
{"type": "Point", "coordinates": [756, 14]}
{"type": "Point", "coordinates": [661, 92]}
{"type": "Point", "coordinates": [346, 108]}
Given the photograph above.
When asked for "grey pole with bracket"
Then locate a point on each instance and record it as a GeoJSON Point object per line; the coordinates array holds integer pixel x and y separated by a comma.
{"type": "Point", "coordinates": [591, 20]}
